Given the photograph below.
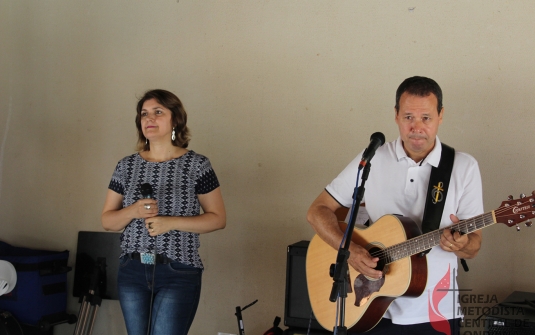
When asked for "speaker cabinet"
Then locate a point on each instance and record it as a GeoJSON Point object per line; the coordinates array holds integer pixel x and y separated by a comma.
{"type": "Point", "coordinates": [297, 309]}
{"type": "Point", "coordinates": [514, 315]}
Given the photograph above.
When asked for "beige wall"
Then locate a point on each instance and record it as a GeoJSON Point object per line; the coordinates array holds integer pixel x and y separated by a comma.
{"type": "Point", "coordinates": [281, 96]}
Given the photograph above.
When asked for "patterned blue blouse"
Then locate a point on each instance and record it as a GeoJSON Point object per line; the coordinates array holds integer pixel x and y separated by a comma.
{"type": "Point", "coordinates": [175, 185]}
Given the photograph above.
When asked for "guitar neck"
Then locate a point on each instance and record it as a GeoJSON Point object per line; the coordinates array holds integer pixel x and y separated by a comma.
{"type": "Point", "coordinates": [426, 241]}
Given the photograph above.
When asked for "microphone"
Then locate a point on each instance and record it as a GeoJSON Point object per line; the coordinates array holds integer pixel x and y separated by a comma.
{"type": "Point", "coordinates": [146, 191]}
{"type": "Point", "coordinates": [376, 140]}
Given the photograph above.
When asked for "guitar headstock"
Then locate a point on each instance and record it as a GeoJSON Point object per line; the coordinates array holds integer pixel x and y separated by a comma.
{"type": "Point", "coordinates": [515, 211]}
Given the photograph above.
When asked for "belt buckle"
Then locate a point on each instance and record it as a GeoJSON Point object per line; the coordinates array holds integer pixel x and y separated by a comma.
{"type": "Point", "coordinates": [147, 258]}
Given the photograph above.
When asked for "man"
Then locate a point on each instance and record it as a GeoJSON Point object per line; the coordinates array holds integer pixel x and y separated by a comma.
{"type": "Point", "coordinates": [397, 184]}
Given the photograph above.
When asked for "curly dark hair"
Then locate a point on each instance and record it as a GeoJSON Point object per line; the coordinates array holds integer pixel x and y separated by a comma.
{"type": "Point", "coordinates": [179, 118]}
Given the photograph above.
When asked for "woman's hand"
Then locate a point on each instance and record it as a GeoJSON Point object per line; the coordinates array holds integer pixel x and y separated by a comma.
{"type": "Point", "coordinates": [213, 218]}
{"type": "Point", "coordinates": [145, 208]}
{"type": "Point", "coordinates": [116, 218]}
{"type": "Point", "coordinates": [157, 225]}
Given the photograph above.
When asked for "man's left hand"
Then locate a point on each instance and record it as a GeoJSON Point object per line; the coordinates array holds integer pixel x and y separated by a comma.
{"type": "Point", "coordinates": [463, 245]}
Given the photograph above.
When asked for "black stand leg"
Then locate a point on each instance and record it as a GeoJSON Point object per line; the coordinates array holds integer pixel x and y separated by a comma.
{"type": "Point", "coordinates": [92, 300]}
{"type": "Point", "coordinates": [88, 314]}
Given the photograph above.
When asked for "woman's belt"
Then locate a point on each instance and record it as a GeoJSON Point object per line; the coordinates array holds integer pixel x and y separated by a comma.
{"type": "Point", "coordinates": [148, 258]}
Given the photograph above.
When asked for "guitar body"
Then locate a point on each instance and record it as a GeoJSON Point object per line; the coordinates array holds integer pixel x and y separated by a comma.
{"type": "Point", "coordinates": [404, 277]}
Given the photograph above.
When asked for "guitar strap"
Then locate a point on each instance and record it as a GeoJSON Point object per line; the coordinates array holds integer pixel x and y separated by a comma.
{"type": "Point", "coordinates": [437, 190]}
{"type": "Point", "coordinates": [436, 194]}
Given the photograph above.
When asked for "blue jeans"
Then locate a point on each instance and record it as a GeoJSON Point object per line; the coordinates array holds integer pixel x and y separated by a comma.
{"type": "Point", "coordinates": [177, 288]}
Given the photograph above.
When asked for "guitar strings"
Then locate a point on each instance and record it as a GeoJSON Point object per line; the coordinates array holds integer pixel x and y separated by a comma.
{"type": "Point", "coordinates": [430, 237]}
{"type": "Point", "coordinates": [464, 226]}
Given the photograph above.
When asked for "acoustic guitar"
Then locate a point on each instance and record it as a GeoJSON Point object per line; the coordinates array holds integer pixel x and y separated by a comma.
{"type": "Point", "coordinates": [398, 244]}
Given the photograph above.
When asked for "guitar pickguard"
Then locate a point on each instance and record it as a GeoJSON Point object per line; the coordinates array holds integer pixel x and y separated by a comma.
{"type": "Point", "coordinates": [365, 287]}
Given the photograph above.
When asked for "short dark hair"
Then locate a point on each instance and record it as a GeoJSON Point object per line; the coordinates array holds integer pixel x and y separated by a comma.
{"type": "Point", "coordinates": [419, 86]}
{"type": "Point", "coordinates": [179, 118]}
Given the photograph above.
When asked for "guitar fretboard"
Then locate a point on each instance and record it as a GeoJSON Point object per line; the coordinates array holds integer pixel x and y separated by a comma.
{"type": "Point", "coordinates": [424, 242]}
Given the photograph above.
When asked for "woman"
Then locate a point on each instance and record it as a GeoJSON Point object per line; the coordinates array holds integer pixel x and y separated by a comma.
{"type": "Point", "coordinates": [159, 278]}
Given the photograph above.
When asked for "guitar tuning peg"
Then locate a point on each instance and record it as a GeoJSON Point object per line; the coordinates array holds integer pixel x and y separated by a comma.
{"type": "Point", "coordinates": [528, 223]}
{"type": "Point", "coordinates": [517, 227]}
{"type": "Point", "coordinates": [511, 197]}
{"type": "Point", "coordinates": [522, 195]}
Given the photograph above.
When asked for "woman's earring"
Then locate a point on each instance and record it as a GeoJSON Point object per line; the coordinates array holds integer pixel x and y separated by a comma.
{"type": "Point", "coordinates": [173, 137]}
{"type": "Point", "coordinates": [146, 141]}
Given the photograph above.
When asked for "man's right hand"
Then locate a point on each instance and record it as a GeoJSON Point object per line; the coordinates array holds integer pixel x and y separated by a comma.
{"type": "Point", "coordinates": [360, 260]}
{"type": "Point", "coordinates": [321, 215]}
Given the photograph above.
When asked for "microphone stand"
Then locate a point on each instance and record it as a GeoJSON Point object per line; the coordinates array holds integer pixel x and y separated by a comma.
{"type": "Point", "coordinates": [340, 271]}
{"type": "Point", "coordinates": [239, 316]}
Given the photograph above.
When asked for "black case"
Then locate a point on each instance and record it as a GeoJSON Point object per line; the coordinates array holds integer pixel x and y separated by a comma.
{"type": "Point", "coordinates": [41, 290]}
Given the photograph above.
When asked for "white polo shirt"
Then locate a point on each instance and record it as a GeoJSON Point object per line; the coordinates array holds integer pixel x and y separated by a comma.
{"type": "Point", "coordinates": [398, 185]}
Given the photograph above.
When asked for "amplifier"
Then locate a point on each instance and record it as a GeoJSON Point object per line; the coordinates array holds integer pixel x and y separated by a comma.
{"type": "Point", "coordinates": [297, 310]}
{"type": "Point", "coordinates": [515, 315]}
